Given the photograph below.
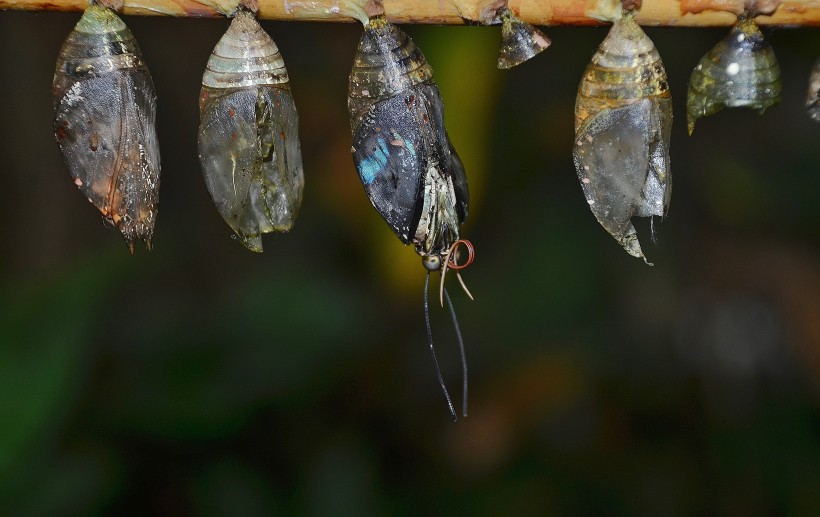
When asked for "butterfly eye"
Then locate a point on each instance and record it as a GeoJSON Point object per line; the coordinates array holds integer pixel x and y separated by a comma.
{"type": "Point", "coordinates": [431, 262]}
{"type": "Point", "coordinates": [623, 120]}
{"type": "Point", "coordinates": [248, 133]}
{"type": "Point", "coordinates": [104, 113]}
{"type": "Point", "coordinates": [740, 71]}
{"type": "Point", "coordinates": [520, 41]}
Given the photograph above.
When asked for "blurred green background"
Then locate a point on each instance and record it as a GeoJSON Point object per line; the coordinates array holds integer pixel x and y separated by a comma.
{"type": "Point", "coordinates": [202, 379]}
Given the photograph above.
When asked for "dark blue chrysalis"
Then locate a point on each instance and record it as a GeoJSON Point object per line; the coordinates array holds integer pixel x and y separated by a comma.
{"type": "Point", "coordinates": [404, 158]}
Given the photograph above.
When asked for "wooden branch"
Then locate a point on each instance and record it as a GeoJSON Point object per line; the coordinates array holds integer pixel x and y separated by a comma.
{"type": "Point", "coordinates": [671, 13]}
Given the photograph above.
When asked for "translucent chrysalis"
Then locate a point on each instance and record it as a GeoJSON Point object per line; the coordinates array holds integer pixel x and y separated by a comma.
{"type": "Point", "coordinates": [104, 113]}
{"type": "Point", "coordinates": [740, 71]}
{"type": "Point", "coordinates": [520, 41]}
{"type": "Point", "coordinates": [623, 121]}
{"type": "Point", "coordinates": [248, 133]}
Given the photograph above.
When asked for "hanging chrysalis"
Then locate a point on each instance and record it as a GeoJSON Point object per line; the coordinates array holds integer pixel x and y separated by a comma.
{"type": "Point", "coordinates": [740, 71]}
{"type": "Point", "coordinates": [404, 158]}
{"type": "Point", "coordinates": [623, 120]}
{"type": "Point", "coordinates": [104, 113]}
{"type": "Point", "coordinates": [813, 98]}
{"type": "Point", "coordinates": [248, 133]}
{"type": "Point", "coordinates": [520, 41]}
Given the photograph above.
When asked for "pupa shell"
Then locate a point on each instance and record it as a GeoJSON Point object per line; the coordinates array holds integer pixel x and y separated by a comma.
{"type": "Point", "coordinates": [520, 41]}
{"type": "Point", "coordinates": [623, 120]}
{"type": "Point", "coordinates": [740, 71]}
{"type": "Point", "coordinates": [404, 157]}
{"type": "Point", "coordinates": [813, 98]}
{"type": "Point", "coordinates": [248, 134]}
{"type": "Point", "coordinates": [104, 122]}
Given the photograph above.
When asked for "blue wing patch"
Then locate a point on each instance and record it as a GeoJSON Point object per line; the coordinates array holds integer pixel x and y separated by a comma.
{"type": "Point", "coordinates": [391, 152]}
{"type": "Point", "coordinates": [372, 165]}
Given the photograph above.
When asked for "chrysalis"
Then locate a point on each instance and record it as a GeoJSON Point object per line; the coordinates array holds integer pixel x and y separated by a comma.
{"type": "Point", "coordinates": [813, 98]}
{"type": "Point", "coordinates": [623, 120]}
{"type": "Point", "coordinates": [520, 41]}
{"type": "Point", "coordinates": [404, 158]}
{"type": "Point", "coordinates": [740, 71]}
{"type": "Point", "coordinates": [248, 133]}
{"type": "Point", "coordinates": [104, 112]}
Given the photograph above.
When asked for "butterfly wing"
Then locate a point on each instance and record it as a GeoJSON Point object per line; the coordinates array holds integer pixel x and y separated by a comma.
{"type": "Point", "coordinates": [391, 155]}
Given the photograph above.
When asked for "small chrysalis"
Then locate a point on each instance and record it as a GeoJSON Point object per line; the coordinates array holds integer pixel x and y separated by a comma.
{"type": "Point", "coordinates": [520, 41]}
{"type": "Point", "coordinates": [813, 98]}
{"type": "Point", "coordinates": [104, 113]}
{"type": "Point", "coordinates": [406, 163]}
{"type": "Point", "coordinates": [623, 121]}
{"type": "Point", "coordinates": [248, 133]}
{"type": "Point", "coordinates": [740, 71]}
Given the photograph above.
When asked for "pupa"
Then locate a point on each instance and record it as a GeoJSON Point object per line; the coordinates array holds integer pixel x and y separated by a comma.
{"type": "Point", "coordinates": [104, 122]}
{"type": "Point", "coordinates": [740, 71]}
{"type": "Point", "coordinates": [623, 121]}
{"type": "Point", "coordinates": [248, 134]}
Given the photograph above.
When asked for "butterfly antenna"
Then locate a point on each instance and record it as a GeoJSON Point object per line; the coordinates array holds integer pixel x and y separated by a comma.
{"type": "Point", "coordinates": [433, 350]}
{"type": "Point", "coordinates": [461, 348]}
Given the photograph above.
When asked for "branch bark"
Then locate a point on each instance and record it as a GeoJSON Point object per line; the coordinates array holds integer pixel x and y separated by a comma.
{"type": "Point", "coordinates": [673, 13]}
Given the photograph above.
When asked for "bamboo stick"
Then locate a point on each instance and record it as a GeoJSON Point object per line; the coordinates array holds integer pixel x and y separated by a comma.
{"type": "Point", "coordinates": [671, 13]}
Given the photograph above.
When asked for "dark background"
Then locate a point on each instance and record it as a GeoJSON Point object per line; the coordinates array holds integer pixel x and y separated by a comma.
{"type": "Point", "coordinates": [203, 379]}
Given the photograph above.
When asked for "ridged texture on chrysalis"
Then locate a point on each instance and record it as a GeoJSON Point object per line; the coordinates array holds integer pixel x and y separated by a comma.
{"type": "Point", "coordinates": [740, 71]}
{"type": "Point", "coordinates": [248, 134]}
{"type": "Point", "coordinates": [623, 120]}
{"type": "Point", "coordinates": [813, 98]}
{"type": "Point", "coordinates": [404, 158]}
{"type": "Point", "coordinates": [104, 113]}
{"type": "Point", "coordinates": [520, 41]}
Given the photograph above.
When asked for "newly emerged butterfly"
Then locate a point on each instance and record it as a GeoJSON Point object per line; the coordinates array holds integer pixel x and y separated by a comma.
{"type": "Point", "coordinates": [405, 160]}
{"type": "Point", "coordinates": [248, 133]}
{"type": "Point", "coordinates": [104, 113]}
{"type": "Point", "coordinates": [740, 71]}
{"type": "Point", "coordinates": [623, 121]}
